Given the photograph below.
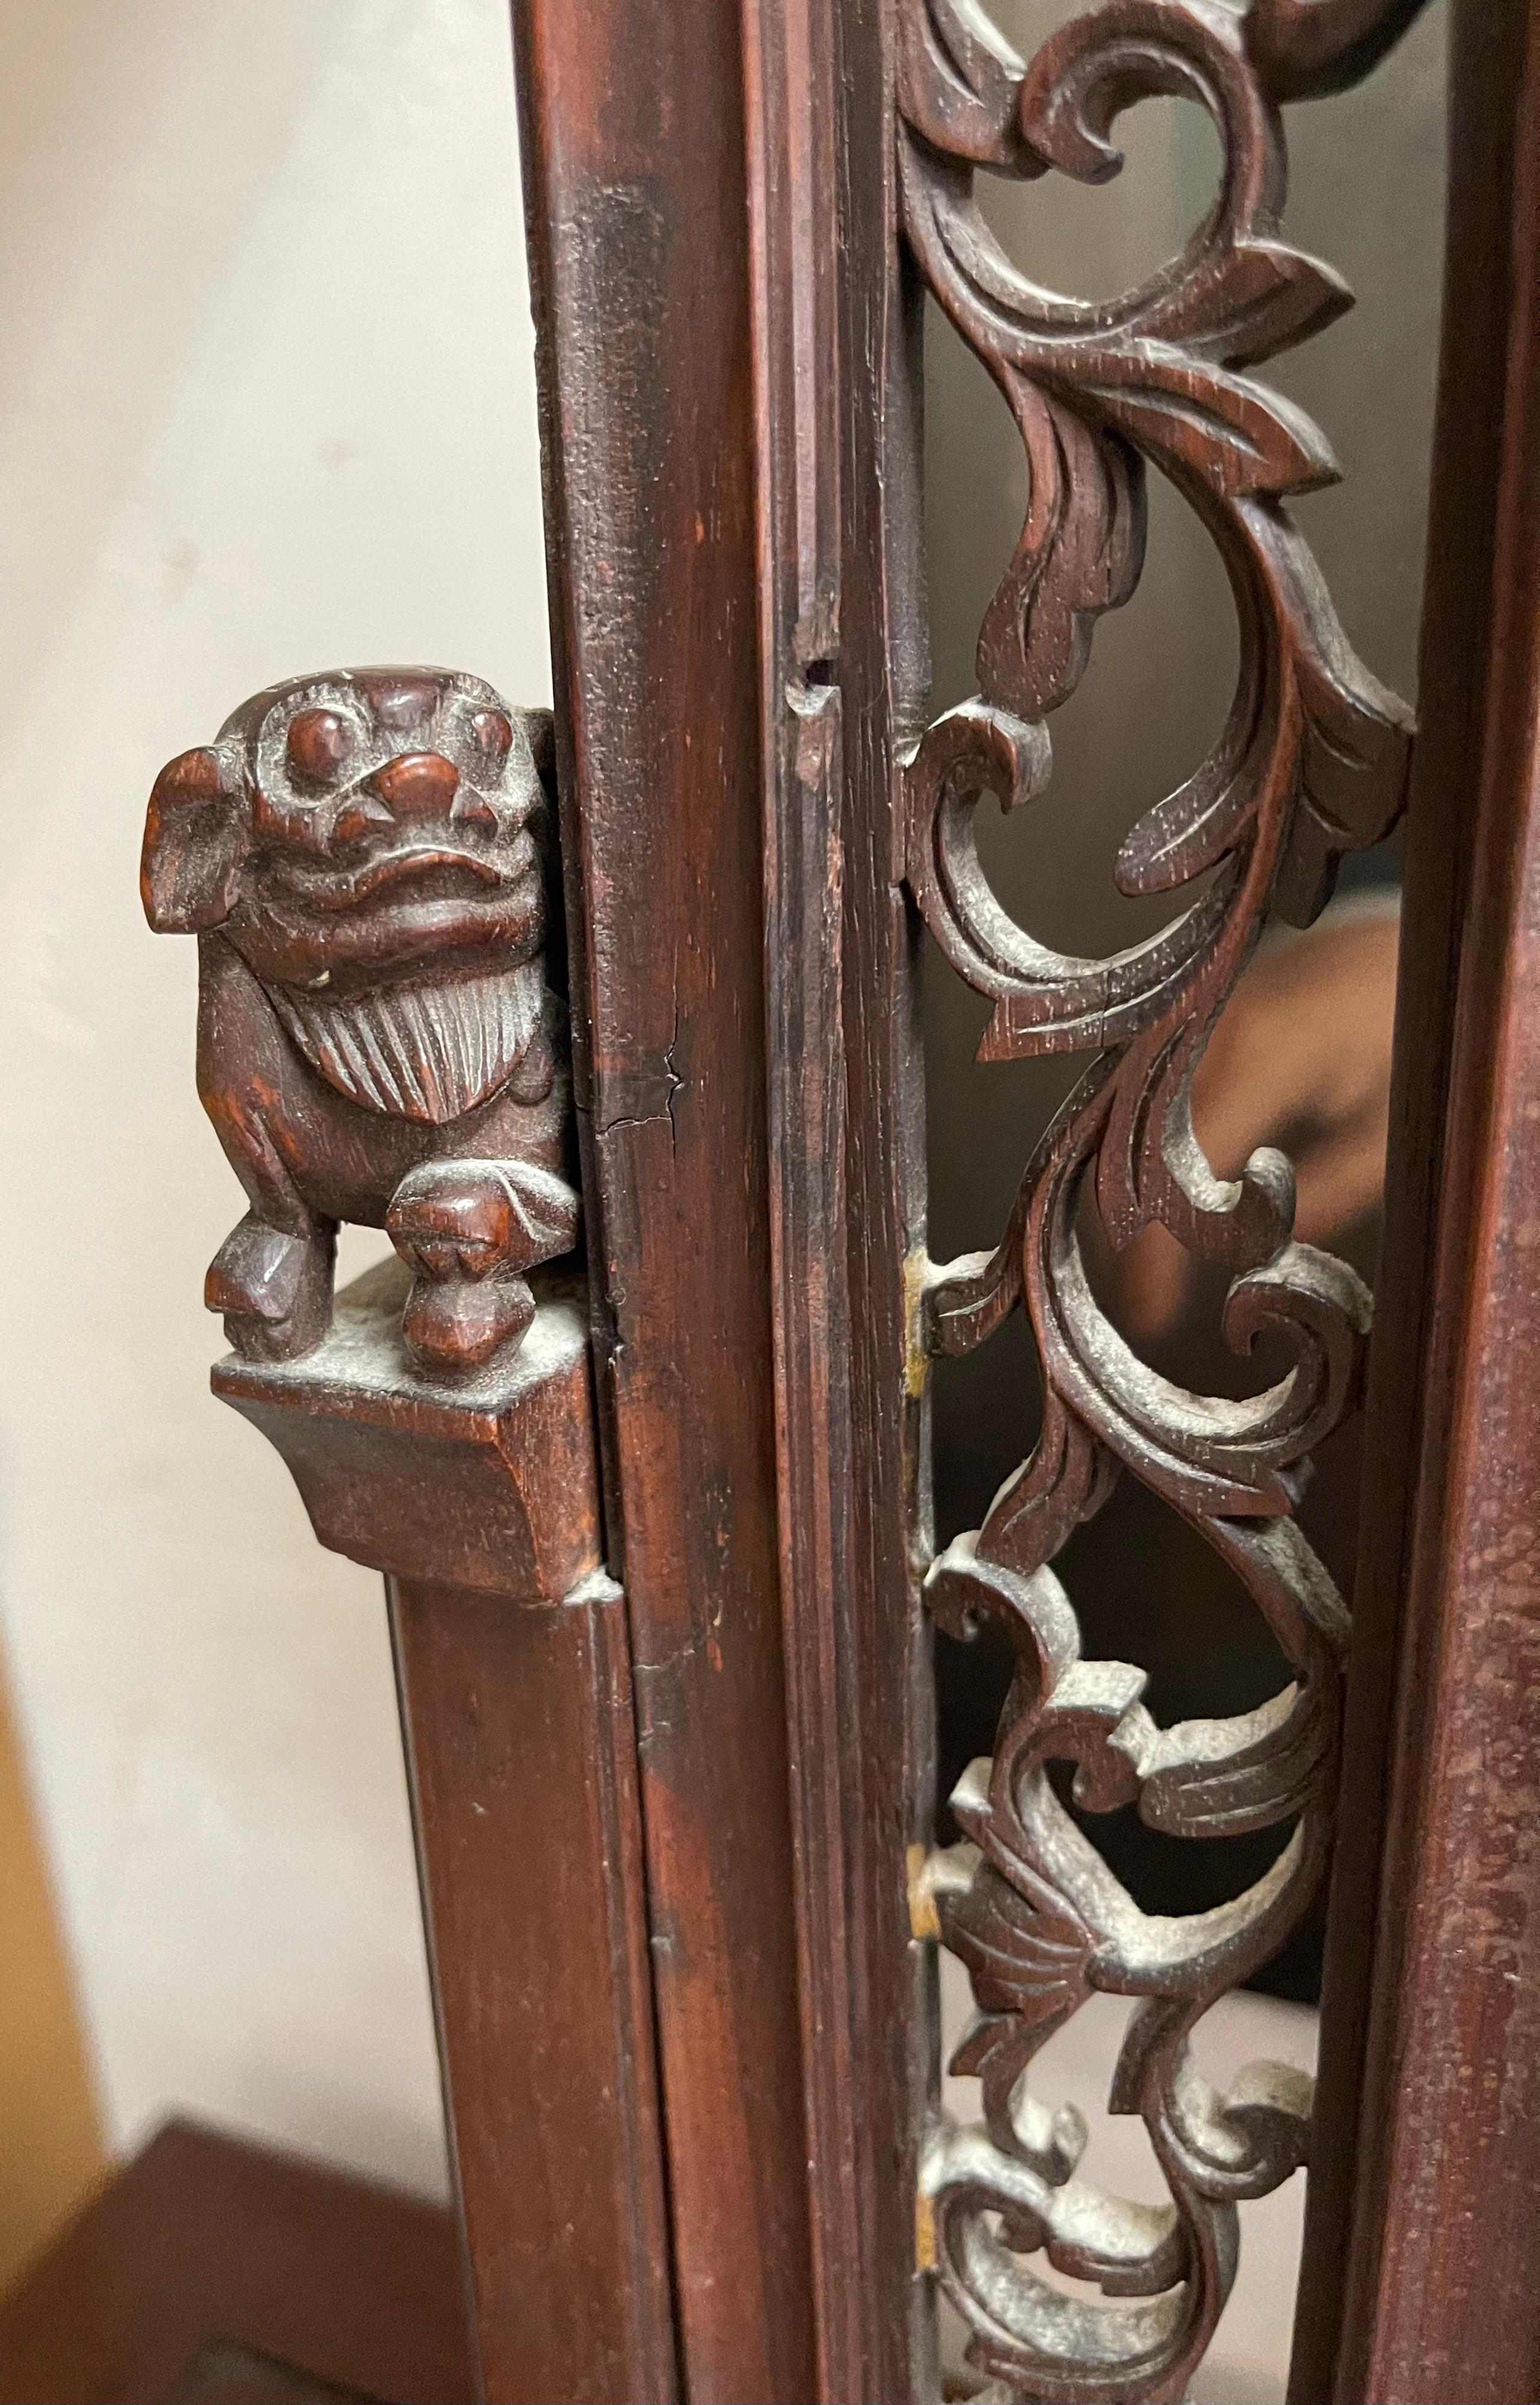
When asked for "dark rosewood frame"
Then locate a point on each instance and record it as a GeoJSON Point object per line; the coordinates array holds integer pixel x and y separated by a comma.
{"type": "Point", "coordinates": [712, 2018]}
{"type": "Point", "coordinates": [1418, 2282]}
{"type": "Point", "coordinates": [632, 133]}
{"type": "Point", "coordinates": [843, 679]}
{"type": "Point", "coordinates": [654, 619]}
{"type": "Point", "coordinates": [720, 371]}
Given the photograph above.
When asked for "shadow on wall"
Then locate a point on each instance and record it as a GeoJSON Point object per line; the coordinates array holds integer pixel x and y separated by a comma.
{"type": "Point", "coordinates": [1153, 698]}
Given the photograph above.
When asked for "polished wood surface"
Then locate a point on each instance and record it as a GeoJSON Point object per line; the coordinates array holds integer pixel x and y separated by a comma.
{"type": "Point", "coordinates": [214, 2270]}
{"type": "Point", "coordinates": [521, 1747]}
{"type": "Point", "coordinates": [490, 1483]}
{"type": "Point", "coordinates": [358, 852]}
{"type": "Point", "coordinates": [655, 1537]}
{"type": "Point", "coordinates": [633, 154]}
{"type": "Point", "coordinates": [836, 436]}
{"type": "Point", "coordinates": [1418, 2281]}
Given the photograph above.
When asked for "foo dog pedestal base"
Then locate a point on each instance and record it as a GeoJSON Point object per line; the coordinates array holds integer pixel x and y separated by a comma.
{"type": "Point", "coordinates": [479, 1503]}
{"type": "Point", "coordinates": [491, 1483]}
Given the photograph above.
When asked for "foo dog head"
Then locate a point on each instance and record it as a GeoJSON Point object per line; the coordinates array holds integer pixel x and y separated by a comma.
{"type": "Point", "coordinates": [356, 853]}
{"type": "Point", "coordinates": [345, 828]}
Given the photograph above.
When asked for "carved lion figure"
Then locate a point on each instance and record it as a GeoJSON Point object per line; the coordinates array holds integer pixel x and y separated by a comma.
{"type": "Point", "coordinates": [356, 853]}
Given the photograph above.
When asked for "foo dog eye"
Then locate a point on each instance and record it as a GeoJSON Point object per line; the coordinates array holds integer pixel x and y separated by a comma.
{"type": "Point", "coordinates": [492, 734]}
{"type": "Point", "coordinates": [318, 743]}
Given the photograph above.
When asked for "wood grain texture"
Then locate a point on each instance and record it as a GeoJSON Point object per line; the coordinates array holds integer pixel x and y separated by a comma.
{"type": "Point", "coordinates": [838, 494]}
{"type": "Point", "coordinates": [521, 1746]}
{"type": "Point", "coordinates": [1313, 763]}
{"type": "Point", "coordinates": [207, 2246]}
{"type": "Point", "coordinates": [1417, 2279]}
{"type": "Point", "coordinates": [633, 151]}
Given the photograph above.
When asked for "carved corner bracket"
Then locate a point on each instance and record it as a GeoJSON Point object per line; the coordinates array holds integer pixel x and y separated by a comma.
{"type": "Point", "coordinates": [1313, 761]}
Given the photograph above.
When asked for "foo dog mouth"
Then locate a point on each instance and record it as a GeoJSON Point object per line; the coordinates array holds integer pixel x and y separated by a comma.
{"type": "Point", "coordinates": [344, 889]}
{"type": "Point", "coordinates": [305, 924]}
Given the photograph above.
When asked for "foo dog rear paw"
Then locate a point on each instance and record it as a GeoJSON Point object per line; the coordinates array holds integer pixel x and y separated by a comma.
{"type": "Point", "coordinates": [274, 1291]}
{"type": "Point", "coordinates": [466, 1228]}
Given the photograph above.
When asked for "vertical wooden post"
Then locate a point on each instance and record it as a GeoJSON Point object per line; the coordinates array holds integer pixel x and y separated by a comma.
{"type": "Point", "coordinates": [840, 596]}
{"type": "Point", "coordinates": [521, 1750]}
{"type": "Point", "coordinates": [512, 1662]}
{"type": "Point", "coordinates": [1419, 2277]}
{"type": "Point", "coordinates": [633, 148]}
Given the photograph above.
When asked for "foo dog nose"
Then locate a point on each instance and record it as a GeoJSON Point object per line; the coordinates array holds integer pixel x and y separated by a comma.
{"type": "Point", "coordinates": [417, 785]}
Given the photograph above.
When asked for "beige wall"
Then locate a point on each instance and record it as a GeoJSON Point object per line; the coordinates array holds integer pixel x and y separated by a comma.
{"type": "Point", "coordinates": [266, 403]}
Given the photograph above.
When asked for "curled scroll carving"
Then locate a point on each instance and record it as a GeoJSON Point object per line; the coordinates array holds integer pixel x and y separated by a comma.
{"type": "Point", "coordinates": [357, 855]}
{"type": "Point", "coordinates": [1311, 762]}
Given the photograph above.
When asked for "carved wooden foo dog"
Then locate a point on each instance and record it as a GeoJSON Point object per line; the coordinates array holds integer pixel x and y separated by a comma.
{"type": "Point", "coordinates": [376, 1040]}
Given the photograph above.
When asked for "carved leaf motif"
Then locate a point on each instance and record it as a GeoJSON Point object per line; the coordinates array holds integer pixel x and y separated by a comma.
{"type": "Point", "coordinates": [1225, 1782]}
{"type": "Point", "coordinates": [1241, 2144]}
{"type": "Point", "coordinates": [1191, 415]}
{"type": "Point", "coordinates": [1100, 62]}
{"type": "Point", "coordinates": [1065, 1481]}
{"type": "Point", "coordinates": [1028, 1953]}
{"type": "Point", "coordinates": [1080, 552]}
{"type": "Point", "coordinates": [1193, 829]}
{"type": "Point", "coordinates": [1355, 754]}
{"type": "Point", "coordinates": [1263, 299]}
{"type": "Point", "coordinates": [962, 85]}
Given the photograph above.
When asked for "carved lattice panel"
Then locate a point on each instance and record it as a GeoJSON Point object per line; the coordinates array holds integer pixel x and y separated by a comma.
{"type": "Point", "coordinates": [1311, 762]}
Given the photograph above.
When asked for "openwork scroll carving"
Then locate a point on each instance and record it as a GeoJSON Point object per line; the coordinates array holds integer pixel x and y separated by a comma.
{"type": "Point", "coordinates": [357, 855]}
{"type": "Point", "coordinates": [1311, 762]}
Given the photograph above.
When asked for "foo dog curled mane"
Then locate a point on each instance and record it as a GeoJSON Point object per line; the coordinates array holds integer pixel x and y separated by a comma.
{"type": "Point", "coordinates": [357, 855]}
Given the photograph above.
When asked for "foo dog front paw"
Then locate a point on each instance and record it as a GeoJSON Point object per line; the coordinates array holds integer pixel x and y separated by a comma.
{"type": "Point", "coordinates": [274, 1291]}
{"type": "Point", "coordinates": [466, 1228]}
{"type": "Point", "coordinates": [456, 1325]}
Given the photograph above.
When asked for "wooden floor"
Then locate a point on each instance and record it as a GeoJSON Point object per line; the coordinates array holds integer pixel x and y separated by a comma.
{"type": "Point", "coordinates": [214, 2273]}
